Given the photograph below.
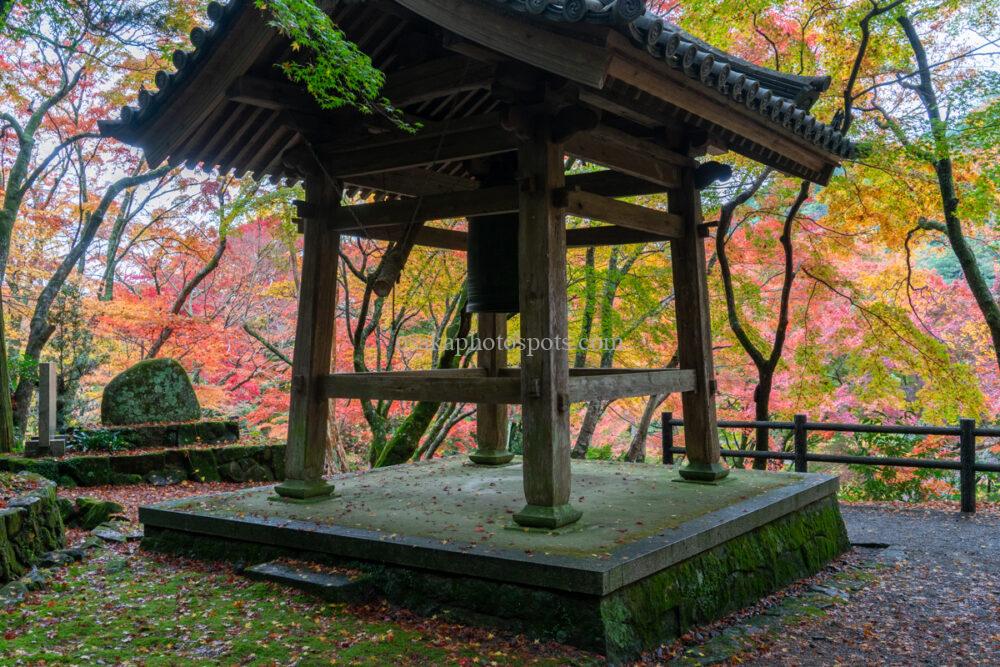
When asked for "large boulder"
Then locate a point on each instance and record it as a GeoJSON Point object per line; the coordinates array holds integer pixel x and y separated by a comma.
{"type": "Point", "coordinates": [152, 391]}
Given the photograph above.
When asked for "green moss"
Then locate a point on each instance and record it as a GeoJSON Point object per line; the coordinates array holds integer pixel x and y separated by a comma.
{"type": "Point", "coordinates": [202, 466]}
{"type": "Point", "coordinates": [90, 512]}
{"type": "Point", "coordinates": [87, 470]}
{"type": "Point", "coordinates": [125, 479]}
{"type": "Point", "coordinates": [29, 526]}
{"type": "Point", "coordinates": [162, 614]}
{"type": "Point", "coordinates": [138, 464]}
{"type": "Point", "coordinates": [45, 467]}
{"type": "Point", "coordinates": [152, 391]}
{"type": "Point", "coordinates": [724, 579]}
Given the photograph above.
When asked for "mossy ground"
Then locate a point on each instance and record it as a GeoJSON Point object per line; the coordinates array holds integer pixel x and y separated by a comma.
{"type": "Point", "coordinates": [126, 607]}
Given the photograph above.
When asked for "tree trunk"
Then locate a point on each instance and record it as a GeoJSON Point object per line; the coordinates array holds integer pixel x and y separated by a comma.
{"type": "Point", "coordinates": [106, 292]}
{"type": "Point", "coordinates": [185, 294]}
{"type": "Point", "coordinates": [595, 409]}
{"type": "Point", "coordinates": [7, 437]}
{"type": "Point", "coordinates": [590, 419]}
{"type": "Point", "coordinates": [762, 413]}
{"type": "Point", "coordinates": [637, 449]}
{"type": "Point", "coordinates": [980, 288]}
{"type": "Point", "coordinates": [405, 439]}
{"type": "Point", "coordinates": [589, 308]}
{"type": "Point", "coordinates": [765, 365]}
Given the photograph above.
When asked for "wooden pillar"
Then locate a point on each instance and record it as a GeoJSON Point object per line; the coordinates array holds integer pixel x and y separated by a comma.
{"type": "Point", "coordinates": [544, 322]}
{"type": "Point", "coordinates": [491, 418]}
{"type": "Point", "coordinates": [305, 454]}
{"type": "Point", "coordinates": [694, 336]}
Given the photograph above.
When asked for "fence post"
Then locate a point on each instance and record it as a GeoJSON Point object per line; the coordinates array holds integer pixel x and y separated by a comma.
{"type": "Point", "coordinates": [967, 455]}
{"type": "Point", "coordinates": [801, 442]}
{"type": "Point", "coordinates": [668, 438]}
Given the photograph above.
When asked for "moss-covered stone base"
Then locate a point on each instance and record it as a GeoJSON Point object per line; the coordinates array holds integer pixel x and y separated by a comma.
{"type": "Point", "coordinates": [206, 432]}
{"type": "Point", "coordinates": [256, 463]}
{"type": "Point", "coordinates": [29, 526]}
{"type": "Point", "coordinates": [633, 618]}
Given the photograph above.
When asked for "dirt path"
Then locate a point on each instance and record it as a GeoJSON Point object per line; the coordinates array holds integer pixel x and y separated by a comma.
{"type": "Point", "coordinates": [937, 603]}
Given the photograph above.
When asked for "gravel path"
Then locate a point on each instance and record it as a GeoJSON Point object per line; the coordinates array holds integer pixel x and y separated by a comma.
{"type": "Point", "coordinates": [938, 603]}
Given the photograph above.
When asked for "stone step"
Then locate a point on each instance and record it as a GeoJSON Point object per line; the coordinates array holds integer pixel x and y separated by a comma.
{"type": "Point", "coordinates": [309, 579]}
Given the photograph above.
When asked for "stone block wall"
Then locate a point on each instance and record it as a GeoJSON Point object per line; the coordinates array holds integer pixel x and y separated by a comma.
{"type": "Point", "coordinates": [29, 526]}
{"type": "Point", "coordinates": [257, 463]}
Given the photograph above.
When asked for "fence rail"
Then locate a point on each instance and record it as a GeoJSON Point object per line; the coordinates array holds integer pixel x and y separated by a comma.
{"type": "Point", "coordinates": [966, 431]}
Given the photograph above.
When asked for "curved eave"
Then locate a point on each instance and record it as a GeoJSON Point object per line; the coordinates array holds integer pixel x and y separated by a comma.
{"type": "Point", "coordinates": [755, 111]}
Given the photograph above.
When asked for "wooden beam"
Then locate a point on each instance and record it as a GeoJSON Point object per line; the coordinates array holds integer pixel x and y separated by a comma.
{"type": "Point", "coordinates": [647, 148]}
{"type": "Point", "coordinates": [452, 239]}
{"type": "Point", "coordinates": [595, 207]}
{"type": "Point", "coordinates": [436, 386]}
{"type": "Point", "coordinates": [619, 384]}
{"type": "Point", "coordinates": [639, 69]}
{"type": "Point", "coordinates": [413, 182]}
{"type": "Point", "coordinates": [604, 235]}
{"type": "Point", "coordinates": [436, 78]}
{"type": "Point", "coordinates": [611, 183]}
{"type": "Point", "coordinates": [550, 51]}
{"type": "Point", "coordinates": [462, 141]}
{"type": "Point", "coordinates": [488, 201]}
{"type": "Point", "coordinates": [431, 237]}
{"type": "Point", "coordinates": [419, 181]}
{"type": "Point", "coordinates": [637, 158]}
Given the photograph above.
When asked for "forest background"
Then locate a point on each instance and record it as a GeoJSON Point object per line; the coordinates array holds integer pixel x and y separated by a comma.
{"type": "Point", "coordinates": [872, 299]}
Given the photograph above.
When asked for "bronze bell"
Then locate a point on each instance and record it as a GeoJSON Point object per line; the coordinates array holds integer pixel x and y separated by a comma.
{"type": "Point", "coordinates": [492, 253]}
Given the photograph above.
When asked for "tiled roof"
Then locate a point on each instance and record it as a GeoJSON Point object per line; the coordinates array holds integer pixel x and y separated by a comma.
{"type": "Point", "coordinates": [782, 98]}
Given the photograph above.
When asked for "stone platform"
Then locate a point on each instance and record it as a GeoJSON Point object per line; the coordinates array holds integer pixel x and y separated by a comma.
{"type": "Point", "coordinates": [650, 557]}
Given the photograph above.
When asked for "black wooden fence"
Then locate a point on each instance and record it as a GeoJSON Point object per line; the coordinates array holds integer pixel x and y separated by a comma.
{"type": "Point", "coordinates": [966, 431]}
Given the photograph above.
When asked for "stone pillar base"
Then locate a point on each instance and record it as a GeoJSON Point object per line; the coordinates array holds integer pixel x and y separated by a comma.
{"type": "Point", "coordinates": [543, 516]}
{"type": "Point", "coordinates": [704, 472]}
{"type": "Point", "coordinates": [491, 457]}
{"type": "Point", "coordinates": [299, 490]}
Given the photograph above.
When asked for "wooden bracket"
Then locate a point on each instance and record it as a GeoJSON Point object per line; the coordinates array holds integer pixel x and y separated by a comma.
{"type": "Point", "coordinates": [572, 120]}
{"type": "Point", "coordinates": [302, 159]}
{"type": "Point", "coordinates": [705, 229]}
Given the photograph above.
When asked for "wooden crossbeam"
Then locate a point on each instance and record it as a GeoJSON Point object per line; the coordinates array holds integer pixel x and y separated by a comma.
{"type": "Point", "coordinates": [604, 386]}
{"type": "Point", "coordinates": [595, 207]}
{"type": "Point", "coordinates": [436, 78]}
{"type": "Point", "coordinates": [418, 181]}
{"type": "Point", "coordinates": [437, 386]}
{"type": "Point", "coordinates": [501, 199]}
{"type": "Point", "coordinates": [528, 42]}
{"type": "Point", "coordinates": [473, 385]}
{"type": "Point", "coordinates": [638, 158]}
{"type": "Point", "coordinates": [413, 182]}
{"type": "Point", "coordinates": [611, 183]}
{"type": "Point", "coordinates": [431, 237]}
{"type": "Point", "coordinates": [586, 237]}
{"type": "Point", "coordinates": [673, 87]}
{"type": "Point", "coordinates": [452, 239]}
{"type": "Point", "coordinates": [463, 141]}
